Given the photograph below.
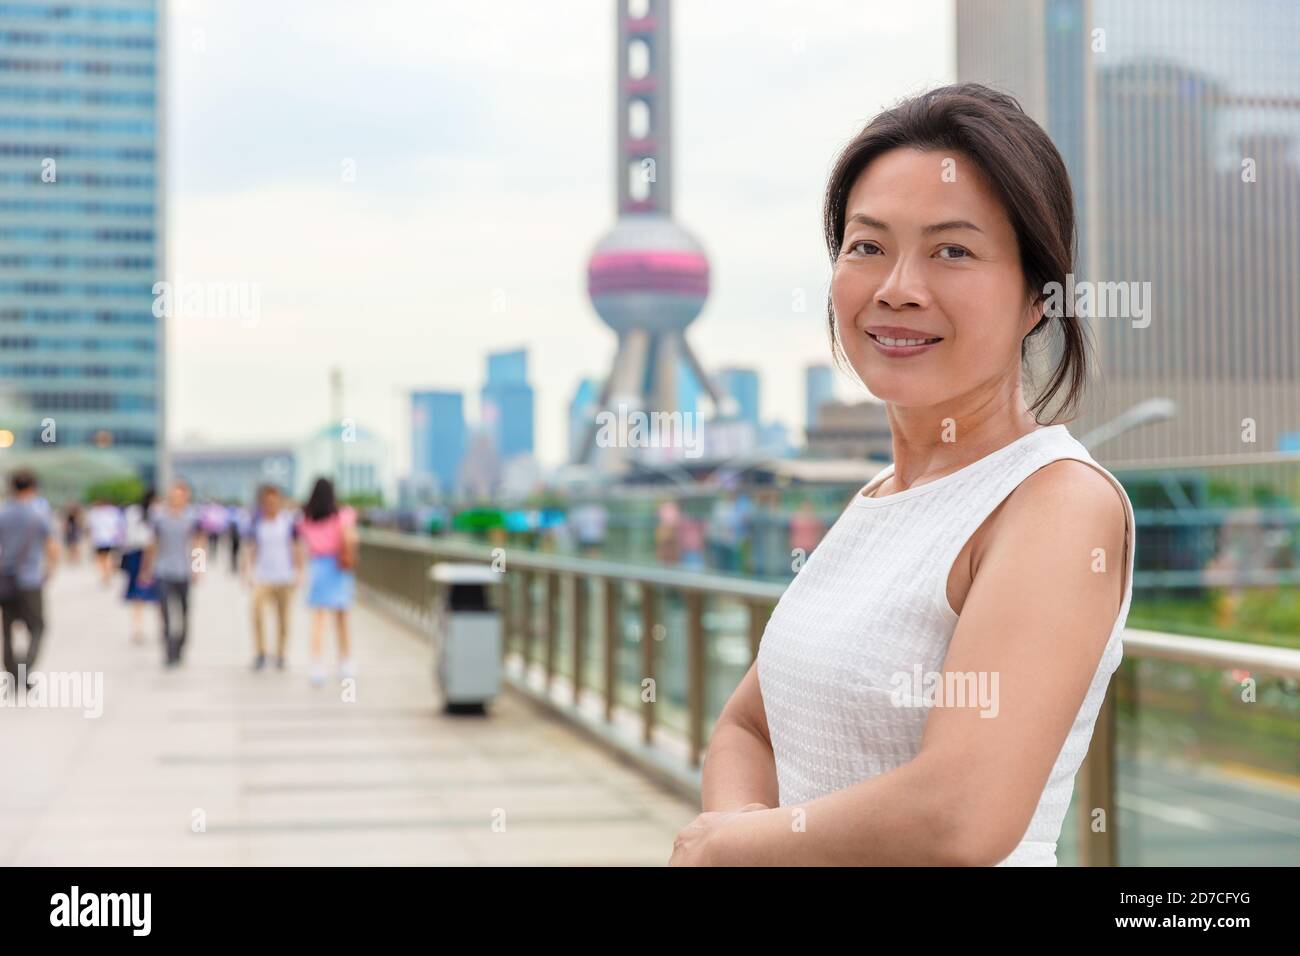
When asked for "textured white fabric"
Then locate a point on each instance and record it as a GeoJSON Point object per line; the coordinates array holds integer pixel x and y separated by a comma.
{"type": "Point", "coordinates": [871, 603]}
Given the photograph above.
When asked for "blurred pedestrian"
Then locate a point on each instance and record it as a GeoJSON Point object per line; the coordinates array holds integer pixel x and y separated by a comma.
{"type": "Point", "coordinates": [136, 538]}
{"type": "Point", "coordinates": [667, 529]}
{"type": "Point", "coordinates": [214, 520]}
{"type": "Point", "coordinates": [173, 559]}
{"type": "Point", "coordinates": [28, 556]}
{"type": "Point", "coordinates": [589, 520]}
{"type": "Point", "coordinates": [691, 542]}
{"type": "Point", "coordinates": [724, 532]}
{"type": "Point", "coordinates": [806, 530]}
{"type": "Point", "coordinates": [105, 525]}
{"type": "Point", "coordinates": [329, 534]}
{"type": "Point", "coordinates": [274, 568]}
{"type": "Point", "coordinates": [72, 533]}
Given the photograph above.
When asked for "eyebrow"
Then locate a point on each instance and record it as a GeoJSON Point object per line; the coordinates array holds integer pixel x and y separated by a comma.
{"type": "Point", "coordinates": [927, 230]}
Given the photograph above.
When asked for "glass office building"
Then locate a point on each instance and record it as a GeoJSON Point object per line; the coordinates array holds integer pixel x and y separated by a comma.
{"type": "Point", "coordinates": [438, 437]}
{"type": "Point", "coordinates": [506, 401]}
{"type": "Point", "coordinates": [81, 227]}
{"type": "Point", "coordinates": [1179, 121]}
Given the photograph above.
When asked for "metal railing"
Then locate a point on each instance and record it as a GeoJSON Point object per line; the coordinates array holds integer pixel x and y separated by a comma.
{"type": "Point", "coordinates": [538, 588]}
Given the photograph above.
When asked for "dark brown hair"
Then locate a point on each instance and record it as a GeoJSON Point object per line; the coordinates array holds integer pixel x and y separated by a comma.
{"type": "Point", "coordinates": [1026, 172]}
{"type": "Point", "coordinates": [22, 479]}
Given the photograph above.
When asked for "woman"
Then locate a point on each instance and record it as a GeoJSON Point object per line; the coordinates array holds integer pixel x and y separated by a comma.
{"type": "Point", "coordinates": [330, 537]}
{"type": "Point", "coordinates": [136, 538]}
{"type": "Point", "coordinates": [993, 557]}
{"type": "Point", "coordinates": [667, 527]}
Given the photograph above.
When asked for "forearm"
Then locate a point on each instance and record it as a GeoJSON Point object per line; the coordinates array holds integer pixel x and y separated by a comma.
{"type": "Point", "coordinates": [738, 770]}
{"type": "Point", "coordinates": [899, 818]}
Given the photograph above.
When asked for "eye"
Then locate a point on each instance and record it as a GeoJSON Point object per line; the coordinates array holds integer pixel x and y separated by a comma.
{"type": "Point", "coordinates": [964, 253]}
{"type": "Point", "coordinates": [863, 242]}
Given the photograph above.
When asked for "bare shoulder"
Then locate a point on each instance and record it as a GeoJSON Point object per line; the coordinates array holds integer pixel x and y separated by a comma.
{"type": "Point", "coordinates": [1067, 509]}
{"type": "Point", "coordinates": [1069, 487]}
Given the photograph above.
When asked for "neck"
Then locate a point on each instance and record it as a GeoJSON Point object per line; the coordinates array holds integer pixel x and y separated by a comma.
{"type": "Point", "coordinates": [932, 441]}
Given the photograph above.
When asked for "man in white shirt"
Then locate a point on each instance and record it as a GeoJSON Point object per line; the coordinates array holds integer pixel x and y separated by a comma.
{"type": "Point", "coordinates": [273, 568]}
{"type": "Point", "coordinates": [105, 523]}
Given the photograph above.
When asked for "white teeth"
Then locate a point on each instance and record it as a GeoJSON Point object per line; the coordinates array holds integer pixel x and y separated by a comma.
{"type": "Point", "coordinates": [884, 340]}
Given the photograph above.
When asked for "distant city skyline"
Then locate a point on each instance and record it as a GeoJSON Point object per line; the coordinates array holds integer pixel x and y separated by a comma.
{"type": "Point", "coordinates": [409, 200]}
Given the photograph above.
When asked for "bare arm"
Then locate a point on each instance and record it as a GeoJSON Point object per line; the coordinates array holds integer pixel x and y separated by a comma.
{"type": "Point", "coordinates": [1037, 618]}
{"type": "Point", "coordinates": [739, 769]}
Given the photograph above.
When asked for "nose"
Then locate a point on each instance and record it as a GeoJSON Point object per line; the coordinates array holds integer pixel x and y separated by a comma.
{"type": "Point", "coordinates": [904, 287]}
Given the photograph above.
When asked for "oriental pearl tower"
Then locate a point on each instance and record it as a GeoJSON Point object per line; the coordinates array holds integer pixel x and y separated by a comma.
{"type": "Point", "coordinates": [647, 278]}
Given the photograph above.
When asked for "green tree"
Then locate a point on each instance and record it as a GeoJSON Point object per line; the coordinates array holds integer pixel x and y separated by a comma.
{"type": "Point", "coordinates": [121, 491]}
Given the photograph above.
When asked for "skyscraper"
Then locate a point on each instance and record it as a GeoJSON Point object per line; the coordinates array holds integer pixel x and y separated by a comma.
{"type": "Point", "coordinates": [81, 226]}
{"type": "Point", "coordinates": [507, 404]}
{"type": "Point", "coordinates": [438, 437]}
{"type": "Point", "coordinates": [818, 388]}
{"type": "Point", "coordinates": [742, 385]}
{"type": "Point", "coordinates": [1179, 121]}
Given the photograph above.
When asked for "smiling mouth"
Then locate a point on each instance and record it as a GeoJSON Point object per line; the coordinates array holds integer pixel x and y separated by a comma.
{"type": "Point", "coordinates": [901, 343]}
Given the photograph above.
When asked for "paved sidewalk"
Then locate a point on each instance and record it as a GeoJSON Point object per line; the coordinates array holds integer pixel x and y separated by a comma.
{"type": "Point", "coordinates": [278, 772]}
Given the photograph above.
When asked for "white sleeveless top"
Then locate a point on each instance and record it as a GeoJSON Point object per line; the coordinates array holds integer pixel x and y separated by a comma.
{"type": "Point", "coordinates": [871, 603]}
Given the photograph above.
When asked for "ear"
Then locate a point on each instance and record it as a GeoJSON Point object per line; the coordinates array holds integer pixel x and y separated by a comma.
{"type": "Point", "coordinates": [1033, 315]}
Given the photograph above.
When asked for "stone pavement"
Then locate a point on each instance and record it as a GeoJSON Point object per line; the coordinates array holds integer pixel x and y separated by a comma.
{"type": "Point", "coordinates": [211, 764]}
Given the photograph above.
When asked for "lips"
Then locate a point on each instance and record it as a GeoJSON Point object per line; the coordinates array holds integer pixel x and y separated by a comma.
{"type": "Point", "coordinates": [900, 332]}
{"type": "Point", "coordinates": [923, 343]}
{"type": "Point", "coordinates": [904, 341]}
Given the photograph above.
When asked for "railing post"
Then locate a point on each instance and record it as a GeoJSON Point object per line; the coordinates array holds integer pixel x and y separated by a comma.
{"type": "Point", "coordinates": [611, 645]}
{"type": "Point", "coordinates": [507, 593]}
{"type": "Point", "coordinates": [757, 623]}
{"type": "Point", "coordinates": [526, 612]}
{"type": "Point", "coordinates": [648, 658]}
{"type": "Point", "coordinates": [581, 610]}
{"type": "Point", "coordinates": [552, 623]}
{"type": "Point", "coordinates": [696, 672]}
{"type": "Point", "coordinates": [1097, 788]}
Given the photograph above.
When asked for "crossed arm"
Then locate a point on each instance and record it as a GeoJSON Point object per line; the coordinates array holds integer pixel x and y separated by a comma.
{"type": "Point", "coordinates": [1038, 615]}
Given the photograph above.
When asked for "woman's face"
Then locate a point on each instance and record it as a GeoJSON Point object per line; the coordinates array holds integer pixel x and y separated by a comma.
{"type": "Point", "coordinates": [928, 252]}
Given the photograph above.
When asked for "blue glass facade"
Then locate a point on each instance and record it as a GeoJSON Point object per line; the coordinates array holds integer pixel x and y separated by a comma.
{"type": "Point", "coordinates": [507, 401]}
{"type": "Point", "coordinates": [818, 388]}
{"type": "Point", "coordinates": [742, 385]}
{"type": "Point", "coordinates": [438, 437]}
{"type": "Point", "coordinates": [81, 217]}
{"type": "Point", "coordinates": [508, 367]}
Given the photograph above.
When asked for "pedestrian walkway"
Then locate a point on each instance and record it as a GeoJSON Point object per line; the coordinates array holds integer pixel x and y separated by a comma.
{"type": "Point", "coordinates": [211, 764]}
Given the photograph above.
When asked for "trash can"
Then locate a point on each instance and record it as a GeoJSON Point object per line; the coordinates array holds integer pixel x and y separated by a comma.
{"type": "Point", "coordinates": [467, 639]}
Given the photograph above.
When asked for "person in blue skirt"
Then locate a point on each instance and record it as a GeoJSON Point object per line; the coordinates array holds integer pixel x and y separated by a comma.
{"type": "Point", "coordinates": [329, 534]}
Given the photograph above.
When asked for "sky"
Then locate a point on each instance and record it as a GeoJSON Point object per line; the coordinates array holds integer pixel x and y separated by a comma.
{"type": "Point", "coordinates": [383, 172]}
